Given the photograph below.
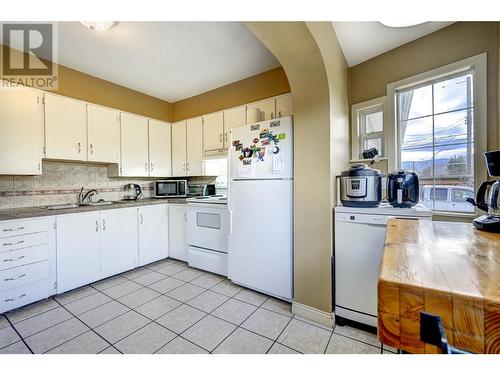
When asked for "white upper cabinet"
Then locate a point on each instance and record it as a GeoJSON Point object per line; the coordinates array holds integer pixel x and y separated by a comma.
{"type": "Point", "coordinates": [21, 131]}
{"type": "Point", "coordinates": [65, 128]}
{"type": "Point", "coordinates": [179, 147]}
{"type": "Point", "coordinates": [261, 111]}
{"type": "Point", "coordinates": [160, 151]}
{"type": "Point", "coordinates": [213, 131]}
{"type": "Point", "coordinates": [284, 105]}
{"type": "Point", "coordinates": [134, 145]}
{"type": "Point", "coordinates": [232, 118]}
{"type": "Point", "coordinates": [103, 134]}
{"type": "Point", "coordinates": [194, 137]}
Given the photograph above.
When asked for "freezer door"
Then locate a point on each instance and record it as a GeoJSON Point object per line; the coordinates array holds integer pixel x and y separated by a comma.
{"type": "Point", "coordinates": [260, 254]}
{"type": "Point", "coordinates": [276, 160]}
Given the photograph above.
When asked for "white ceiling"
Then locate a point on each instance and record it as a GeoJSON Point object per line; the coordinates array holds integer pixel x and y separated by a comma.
{"type": "Point", "coordinates": [360, 41]}
{"type": "Point", "coordinates": [168, 60]}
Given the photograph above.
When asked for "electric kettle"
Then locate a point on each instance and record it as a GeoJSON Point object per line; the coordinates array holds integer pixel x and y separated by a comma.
{"type": "Point", "coordinates": [132, 192]}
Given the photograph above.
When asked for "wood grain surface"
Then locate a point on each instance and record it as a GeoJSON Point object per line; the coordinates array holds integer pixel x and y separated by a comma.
{"type": "Point", "coordinates": [448, 269]}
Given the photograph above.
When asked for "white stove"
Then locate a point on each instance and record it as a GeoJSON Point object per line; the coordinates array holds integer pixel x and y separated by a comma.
{"type": "Point", "coordinates": [211, 199]}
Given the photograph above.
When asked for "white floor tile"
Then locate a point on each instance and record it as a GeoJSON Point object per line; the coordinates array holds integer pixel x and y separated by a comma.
{"type": "Point", "coordinates": [185, 292]}
{"type": "Point", "coordinates": [103, 314]}
{"type": "Point", "coordinates": [181, 318]}
{"type": "Point", "coordinates": [138, 297]}
{"type": "Point", "coordinates": [281, 349]}
{"type": "Point", "coordinates": [208, 301]}
{"type": "Point", "coordinates": [88, 343]}
{"type": "Point", "coordinates": [147, 340]}
{"type": "Point", "coordinates": [8, 336]}
{"type": "Point", "coordinates": [305, 337]}
{"type": "Point", "coordinates": [42, 321]}
{"type": "Point", "coordinates": [122, 289]}
{"type": "Point", "coordinates": [166, 285]}
{"type": "Point", "coordinates": [249, 296]}
{"type": "Point", "coordinates": [50, 338]}
{"type": "Point", "coordinates": [266, 323]}
{"type": "Point", "coordinates": [244, 342]}
{"type": "Point", "coordinates": [181, 346]}
{"type": "Point", "coordinates": [16, 348]}
{"type": "Point", "coordinates": [118, 328]}
{"type": "Point", "coordinates": [343, 345]}
{"type": "Point", "coordinates": [227, 288]}
{"type": "Point", "coordinates": [209, 332]}
{"type": "Point", "coordinates": [158, 307]}
{"type": "Point", "coordinates": [234, 311]}
{"type": "Point", "coordinates": [87, 303]}
{"type": "Point", "coordinates": [74, 295]}
{"type": "Point", "coordinates": [32, 310]}
{"type": "Point", "coordinates": [278, 306]}
{"type": "Point", "coordinates": [207, 281]}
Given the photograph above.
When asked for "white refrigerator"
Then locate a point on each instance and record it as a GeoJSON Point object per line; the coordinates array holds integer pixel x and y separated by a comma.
{"type": "Point", "coordinates": [260, 204]}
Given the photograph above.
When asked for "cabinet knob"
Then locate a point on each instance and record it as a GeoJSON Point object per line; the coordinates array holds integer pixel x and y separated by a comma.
{"type": "Point", "coordinates": [141, 218]}
{"type": "Point", "coordinates": [145, 167]}
{"type": "Point", "coordinates": [91, 149]}
{"type": "Point", "coordinates": [272, 115]}
{"type": "Point", "coordinates": [151, 167]}
{"type": "Point", "coordinates": [103, 224]}
{"type": "Point", "coordinates": [96, 226]}
{"type": "Point", "coordinates": [220, 137]}
{"type": "Point", "coordinates": [79, 147]}
{"type": "Point", "coordinates": [279, 114]}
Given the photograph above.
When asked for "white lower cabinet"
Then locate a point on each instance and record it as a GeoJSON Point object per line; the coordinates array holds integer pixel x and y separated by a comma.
{"type": "Point", "coordinates": [153, 233]}
{"type": "Point", "coordinates": [27, 261]}
{"type": "Point", "coordinates": [78, 250]}
{"type": "Point", "coordinates": [177, 233]}
{"type": "Point", "coordinates": [118, 241]}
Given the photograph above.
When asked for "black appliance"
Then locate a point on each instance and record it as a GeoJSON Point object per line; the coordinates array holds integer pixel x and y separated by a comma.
{"type": "Point", "coordinates": [491, 221]}
{"type": "Point", "coordinates": [132, 192]}
{"type": "Point", "coordinates": [402, 188]}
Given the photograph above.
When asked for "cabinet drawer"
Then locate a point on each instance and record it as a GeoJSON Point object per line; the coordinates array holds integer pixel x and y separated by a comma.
{"type": "Point", "coordinates": [23, 241]}
{"type": "Point", "coordinates": [17, 227]}
{"type": "Point", "coordinates": [207, 260]}
{"type": "Point", "coordinates": [17, 297]}
{"type": "Point", "coordinates": [15, 277]}
{"type": "Point", "coordinates": [16, 258]}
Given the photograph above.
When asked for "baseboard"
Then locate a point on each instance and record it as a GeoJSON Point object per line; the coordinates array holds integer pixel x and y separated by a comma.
{"type": "Point", "coordinates": [313, 314]}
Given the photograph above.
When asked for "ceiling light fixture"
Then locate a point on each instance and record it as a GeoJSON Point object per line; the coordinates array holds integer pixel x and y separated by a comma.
{"type": "Point", "coordinates": [396, 24]}
{"type": "Point", "coordinates": [98, 26]}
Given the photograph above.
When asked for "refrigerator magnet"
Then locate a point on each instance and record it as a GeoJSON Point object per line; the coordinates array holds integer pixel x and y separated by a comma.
{"type": "Point", "coordinates": [255, 140]}
{"type": "Point", "coordinates": [265, 142]}
{"type": "Point", "coordinates": [247, 161]}
{"type": "Point", "coordinates": [273, 138]}
{"type": "Point", "coordinates": [241, 157]}
{"type": "Point", "coordinates": [254, 127]}
{"type": "Point", "coordinates": [247, 153]}
{"type": "Point", "coordinates": [281, 136]}
{"type": "Point", "coordinates": [274, 124]}
{"type": "Point", "coordinates": [261, 153]}
{"type": "Point", "coordinates": [276, 150]}
{"type": "Point", "coordinates": [264, 133]}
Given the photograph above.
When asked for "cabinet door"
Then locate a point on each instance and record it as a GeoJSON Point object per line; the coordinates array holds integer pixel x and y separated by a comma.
{"type": "Point", "coordinates": [118, 241]}
{"type": "Point", "coordinates": [194, 138]}
{"type": "Point", "coordinates": [177, 235]}
{"type": "Point", "coordinates": [160, 150]}
{"type": "Point", "coordinates": [232, 118]}
{"type": "Point", "coordinates": [261, 111]}
{"type": "Point", "coordinates": [134, 145]}
{"type": "Point", "coordinates": [213, 129]}
{"type": "Point", "coordinates": [284, 105]}
{"type": "Point", "coordinates": [21, 131]}
{"type": "Point", "coordinates": [78, 250]}
{"type": "Point", "coordinates": [103, 127]}
{"type": "Point", "coordinates": [179, 148]}
{"type": "Point", "coordinates": [65, 128]}
{"type": "Point", "coordinates": [153, 233]}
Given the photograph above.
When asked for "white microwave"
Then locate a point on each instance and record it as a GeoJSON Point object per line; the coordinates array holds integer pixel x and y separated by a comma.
{"type": "Point", "coordinates": [170, 188]}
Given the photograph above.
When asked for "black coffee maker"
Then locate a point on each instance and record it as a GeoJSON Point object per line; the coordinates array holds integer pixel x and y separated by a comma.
{"type": "Point", "coordinates": [491, 221]}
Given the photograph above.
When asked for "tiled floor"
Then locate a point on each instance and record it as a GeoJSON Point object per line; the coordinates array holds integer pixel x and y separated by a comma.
{"type": "Point", "coordinates": [167, 307]}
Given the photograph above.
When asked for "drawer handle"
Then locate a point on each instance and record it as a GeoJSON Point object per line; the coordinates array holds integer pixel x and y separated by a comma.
{"type": "Point", "coordinates": [15, 278]}
{"type": "Point", "coordinates": [12, 243]}
{"type": "Point", "coordinates": [13, 260]}
{"type": "Point", "coordinates": [13, 229]}
{"type": "Point", "coordinates": [13, 299]}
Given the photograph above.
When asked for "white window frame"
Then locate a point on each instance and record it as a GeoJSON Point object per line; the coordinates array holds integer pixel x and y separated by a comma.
{"type": "Point", "coordinates": [358, 113]}
{"type": "Point", "coordinates": [478, 64]}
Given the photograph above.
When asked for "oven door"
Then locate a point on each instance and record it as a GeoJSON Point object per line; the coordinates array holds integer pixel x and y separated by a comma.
{"type": "Point", "coordinates": [207, 226]}
{"type": "Point", "coordinates": [167, 188]}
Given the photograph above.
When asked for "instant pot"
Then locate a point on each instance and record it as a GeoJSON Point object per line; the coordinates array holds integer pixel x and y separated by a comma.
{"type": "Point", "coordinates": [361, 186]}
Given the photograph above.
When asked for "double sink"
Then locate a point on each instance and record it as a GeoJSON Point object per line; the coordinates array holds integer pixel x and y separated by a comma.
{"type": "Point", "coordinates": [76, 205]}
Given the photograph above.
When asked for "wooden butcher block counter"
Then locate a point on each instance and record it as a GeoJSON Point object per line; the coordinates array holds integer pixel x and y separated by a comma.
{"type": "Point", "coordinates": [448, 269]}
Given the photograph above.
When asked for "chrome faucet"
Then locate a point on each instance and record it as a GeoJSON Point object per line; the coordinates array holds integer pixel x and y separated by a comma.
{"type": "Point", "coordinates": [82, 197]}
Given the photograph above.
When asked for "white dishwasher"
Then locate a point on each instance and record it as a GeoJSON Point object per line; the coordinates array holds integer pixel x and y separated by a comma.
{"type": "Point", "coordinates": [207, 231]}
{"type": "Point", "coordinates": [359, 246]}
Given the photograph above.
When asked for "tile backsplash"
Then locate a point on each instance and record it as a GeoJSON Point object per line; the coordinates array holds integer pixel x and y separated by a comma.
{"type": "Point", "coordinates": [61, 182]}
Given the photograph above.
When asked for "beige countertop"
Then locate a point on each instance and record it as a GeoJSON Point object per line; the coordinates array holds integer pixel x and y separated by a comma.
{"type": "Point", "coordinates": [29, 212]}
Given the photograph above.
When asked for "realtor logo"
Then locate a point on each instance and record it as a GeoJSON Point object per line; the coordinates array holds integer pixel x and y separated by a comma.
{"type": "Point", "coordinates": [28, 52]}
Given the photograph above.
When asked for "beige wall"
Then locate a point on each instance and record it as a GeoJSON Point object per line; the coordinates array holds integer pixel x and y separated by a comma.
{"type": "Point", "coordinates": [296, 49]}
{"type": "Point", "coordinates": [458, 41]}
{"type": "Point", "coordinates": [260, 86]}
{"type": "Point", "coordinates": [78, 85]}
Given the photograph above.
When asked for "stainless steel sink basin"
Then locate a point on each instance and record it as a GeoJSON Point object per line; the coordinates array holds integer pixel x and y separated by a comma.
{"type": "Point", "coordinates": [99, 203]}
{"type": "Point", "coordinates": [63, 206]}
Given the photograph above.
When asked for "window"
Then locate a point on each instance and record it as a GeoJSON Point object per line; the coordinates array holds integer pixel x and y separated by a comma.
{"type": "Point", "coordinates": [436, 135]}
{"type": "Point", "coordinates": [460, 195]}
{"type": "Point", "coordinates": [368, 127]}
